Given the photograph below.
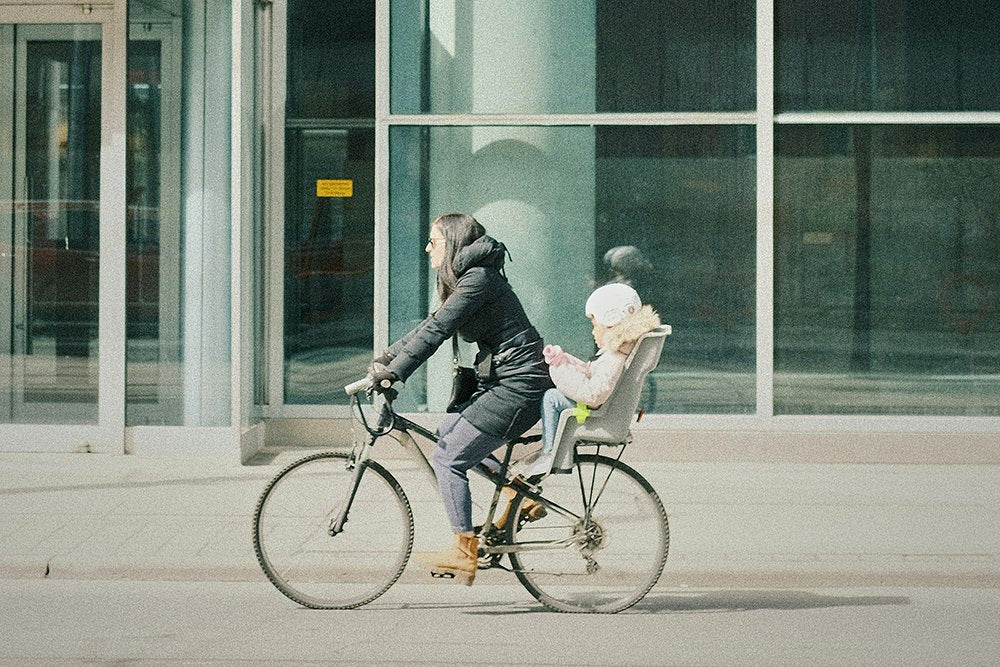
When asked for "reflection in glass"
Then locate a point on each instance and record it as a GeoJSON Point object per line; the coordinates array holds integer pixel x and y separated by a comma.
{"type": "Point", "coordinates": [670, 208]}
{"type": "Point", "coordinates": [675, 216]}
{"type": "Point", "coordinates": [887, 259]}
{"type": "Point", "coordinates": [675, 55]}
{"type": "Point", "coordinates": [329, 236]}
{"type": "Point", "coordinates": [50, 296]}
{"type": "Point", "coordinates": [572, 56]}
{"type": "Point", "coordinates": [152, 316]}
{"type": "Point", "coordinates": [331, 59]}
{"type": "Point", "coordinates": [177, 226]}
{"type": "Point", "coordinates": [329, 263]}
{"type": "Point", "coordinates": [887, 56]}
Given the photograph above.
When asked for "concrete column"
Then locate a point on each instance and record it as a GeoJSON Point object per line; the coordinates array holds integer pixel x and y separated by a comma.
{"type": "Point", "coordinates": [531, 187]}
{"type": "Point", "coordinates": [206, 216]}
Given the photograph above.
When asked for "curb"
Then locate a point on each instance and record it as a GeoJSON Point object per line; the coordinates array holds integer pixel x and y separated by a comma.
{"type": "Point", "coordinates": [834, 574]}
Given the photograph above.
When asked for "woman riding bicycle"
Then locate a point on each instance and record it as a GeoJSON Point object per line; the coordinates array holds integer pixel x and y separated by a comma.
{"type": "Point", "coordinates": [478, 304]}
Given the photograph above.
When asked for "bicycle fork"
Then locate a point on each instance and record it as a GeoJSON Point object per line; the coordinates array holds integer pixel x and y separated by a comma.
{"type": "Point", "coordinates": [359, 462]}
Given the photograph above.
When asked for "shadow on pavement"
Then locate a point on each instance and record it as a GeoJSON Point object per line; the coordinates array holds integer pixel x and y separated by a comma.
{"type": "Point", "coordinates": [702, 601]}
{"type": "Point", "coordinates": [751, 600]}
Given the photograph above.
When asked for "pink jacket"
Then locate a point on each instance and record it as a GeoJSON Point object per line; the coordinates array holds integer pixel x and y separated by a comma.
{"type": "Point", "coordinates": [592, 383]}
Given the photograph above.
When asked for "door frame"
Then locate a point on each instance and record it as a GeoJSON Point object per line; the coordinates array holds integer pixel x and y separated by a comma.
{"type": "Point", "coordinates": [24, 35]}
{"type": "Point", "coordinates": [7, 48]}
{"type": "Point", "coordinates": [166, 30]}
{"type": "Point", "coordinates": [274, 117]}
{"type": "Point", "coordinates": [107, 435]}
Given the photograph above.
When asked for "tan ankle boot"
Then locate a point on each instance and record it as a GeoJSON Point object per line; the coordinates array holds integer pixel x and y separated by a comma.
{"type": "Point", "coordinates": [459, 563]}
{"type": "Point", "coordinates": [531, 510]}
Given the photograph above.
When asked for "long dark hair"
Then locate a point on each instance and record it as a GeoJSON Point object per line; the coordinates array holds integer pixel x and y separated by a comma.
{"type": "Point", "coordinates": [459, 230]}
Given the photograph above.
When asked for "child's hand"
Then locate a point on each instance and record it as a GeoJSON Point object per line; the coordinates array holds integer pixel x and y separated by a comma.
{"type": "Point", "coordinates": [554, 355]}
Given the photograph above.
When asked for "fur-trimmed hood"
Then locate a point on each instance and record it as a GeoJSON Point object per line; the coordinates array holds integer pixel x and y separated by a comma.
{"type": "Point", "coordinates": [622, 336]}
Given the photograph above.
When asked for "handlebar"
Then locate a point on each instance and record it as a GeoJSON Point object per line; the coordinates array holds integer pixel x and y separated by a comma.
{"type": "Point", "coordinates": [364, 384]}
{"type": "Point", "coordinates": [382, 402]}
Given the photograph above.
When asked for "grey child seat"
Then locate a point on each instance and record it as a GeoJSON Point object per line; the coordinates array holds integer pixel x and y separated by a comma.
{"type": "Point", "coordinates": [611, 422]}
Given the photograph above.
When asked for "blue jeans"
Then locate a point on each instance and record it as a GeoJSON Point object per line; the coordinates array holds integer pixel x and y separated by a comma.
{"type": "Point", "coordinates": [553, 403]}
{"type": "Point", "coordinates": [460, 447]}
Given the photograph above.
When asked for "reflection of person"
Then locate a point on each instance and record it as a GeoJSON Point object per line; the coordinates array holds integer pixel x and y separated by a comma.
{"type": "Point", "coordinates": [626, 264]}
{"type": "Point", "coordinates": [619, 320]}
{"type": "Point", "coordinates": [478, 303]}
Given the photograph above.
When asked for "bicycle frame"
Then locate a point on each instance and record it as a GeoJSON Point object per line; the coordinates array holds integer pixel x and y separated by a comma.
{"type": "Point", "coordinates": [399, 428]}
{"type": "Point", "coordinates": [595, 540]}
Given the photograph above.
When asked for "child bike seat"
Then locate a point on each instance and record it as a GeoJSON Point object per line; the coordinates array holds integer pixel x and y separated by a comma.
{"type": "Point", "coordinates": [611, 423]}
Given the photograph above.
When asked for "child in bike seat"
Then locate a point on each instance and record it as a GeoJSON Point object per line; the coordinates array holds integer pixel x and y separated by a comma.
{"type": "Point", "coordinates": [619, 319]}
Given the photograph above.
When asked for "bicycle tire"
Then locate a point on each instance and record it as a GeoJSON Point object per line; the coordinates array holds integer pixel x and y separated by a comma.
{"type": "Point", "coordinates": [627, 538]}
{"type": "Point", "coordinates": [308, 565]}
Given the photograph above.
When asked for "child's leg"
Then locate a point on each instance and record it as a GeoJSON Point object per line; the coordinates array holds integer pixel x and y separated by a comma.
{"type": "Point", "coordinates": [553, 403]}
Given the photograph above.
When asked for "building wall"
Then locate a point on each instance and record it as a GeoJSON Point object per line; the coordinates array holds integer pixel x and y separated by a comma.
{"type": "Point", "coordinates": [802, 190]}
{"type": "Point", "coordinates": [119, 269]}
{"type": "Point", "coordinates": [780, 181]}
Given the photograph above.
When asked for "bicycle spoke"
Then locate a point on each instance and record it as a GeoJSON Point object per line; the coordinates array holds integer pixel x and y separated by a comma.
{"type": "Point", "coordinates": [589, 502]}
{"type": "Point", "coordinates": [293, 541]}
{"type": "Point", "coordinates": [608, 558]}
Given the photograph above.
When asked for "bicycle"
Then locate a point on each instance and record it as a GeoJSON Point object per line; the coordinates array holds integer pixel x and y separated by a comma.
{"type": "Point", "coordinates": [334, 530]}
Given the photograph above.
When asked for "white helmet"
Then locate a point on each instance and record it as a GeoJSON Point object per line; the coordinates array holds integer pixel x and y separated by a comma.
{"type": "Point", "coordinates": [610, 304]}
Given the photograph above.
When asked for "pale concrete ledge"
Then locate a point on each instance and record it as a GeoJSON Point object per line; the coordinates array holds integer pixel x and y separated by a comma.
{"type": "Point", "coordinates": [783, 440]}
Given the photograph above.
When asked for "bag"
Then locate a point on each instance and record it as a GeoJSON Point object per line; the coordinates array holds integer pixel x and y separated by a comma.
{"type": "Point", "coordinates": [463, 382]}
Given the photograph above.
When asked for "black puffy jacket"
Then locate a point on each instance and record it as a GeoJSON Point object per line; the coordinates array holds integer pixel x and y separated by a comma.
{"type": "Point", "coordinates": [483, 309]}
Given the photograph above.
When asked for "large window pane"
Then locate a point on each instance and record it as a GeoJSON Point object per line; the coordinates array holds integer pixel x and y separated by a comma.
{"type": "Point", "coordinates": [153, 388]}
{"type": "Point", "coordinates": [675, 55]}
{"type": "Point", "coordinates": [887, 56]}
{"type": "Point", "coordinates": [329, 198]}
{"type": "Point", "coordinates": [670, 208]}
{"type": "Point", "coordinates": [887, 259]}
{"type": "Point", "coordinates": [331, 59]}
{"type": "Point", "coordinates": [50, 224]}
{"type": "Point", "coordinates": [328, 261]}
{"type": "Point", "coordinates": [572, 56]}
{"type": "Point", "coordinates": [178, 225]}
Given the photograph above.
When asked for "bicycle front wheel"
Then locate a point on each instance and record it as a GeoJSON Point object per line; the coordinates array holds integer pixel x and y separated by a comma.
{"type": "Point", "coordinates": [292, 532]}
{"type": "Point", "coordinates": [604, 550]}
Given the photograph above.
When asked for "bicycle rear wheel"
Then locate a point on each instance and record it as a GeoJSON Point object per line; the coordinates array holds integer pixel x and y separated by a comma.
{"type": "Point", "coordinates": [291, 532]}
{"type": "Point", "coordinates": [606, 557]}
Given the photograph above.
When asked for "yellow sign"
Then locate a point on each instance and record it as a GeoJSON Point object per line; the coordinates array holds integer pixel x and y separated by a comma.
{"type": "Point", "coordinates": [334, 188]}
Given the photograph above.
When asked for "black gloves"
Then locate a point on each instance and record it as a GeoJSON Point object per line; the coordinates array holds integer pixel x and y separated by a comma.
{"type": "Point", "coordinates": [382, 378]}
{"type": "Point", "coordinates": [383, 359]}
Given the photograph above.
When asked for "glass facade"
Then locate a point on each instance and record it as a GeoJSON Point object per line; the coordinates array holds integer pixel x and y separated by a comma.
{"type": "Point", "coordinates": [887, 258]}
{"type": "Point", "coordinates": [50, 206]}
{"type": "Point", "coordinates": [860, 55]}
{"type": "Point", "coordinates": [674, 206]}
{"type": "Point", "coordinates": [567, 56]}
{"type": "Point", "coordinates": [884, 256]}
{"type": "Point", "coordinates": [669, 209]}
{"type": "Point", "coordinates": [178, 215]}
{"type": "Point", "coordinates": [329, 177]}
{"type": "Point", "coordinates": [804, 190]}
{"type": "Point", "coordinates": [886, 253]}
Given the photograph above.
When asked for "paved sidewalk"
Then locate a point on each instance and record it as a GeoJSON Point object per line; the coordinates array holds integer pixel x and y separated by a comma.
{"type": "Point", "coordinates": [732, 524]}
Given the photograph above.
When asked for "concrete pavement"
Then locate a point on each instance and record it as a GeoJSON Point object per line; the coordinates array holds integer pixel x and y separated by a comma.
{"type": "Point", "coordinates": [732, 524]}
